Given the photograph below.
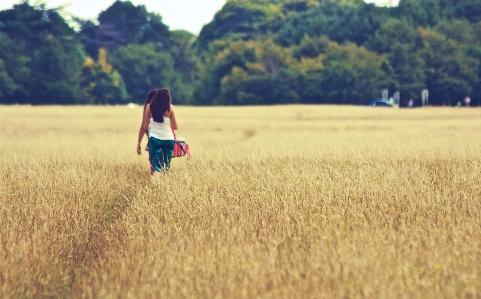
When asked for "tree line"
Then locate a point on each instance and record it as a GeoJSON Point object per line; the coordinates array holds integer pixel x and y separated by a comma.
{"type": "Point", "coordinates": [252, 52]}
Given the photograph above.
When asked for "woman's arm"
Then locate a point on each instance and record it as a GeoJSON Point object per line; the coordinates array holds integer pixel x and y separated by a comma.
{"type": "Point", "coordinates": [173, 122]}
{"type": "Point", "coordinates": [144, 127]}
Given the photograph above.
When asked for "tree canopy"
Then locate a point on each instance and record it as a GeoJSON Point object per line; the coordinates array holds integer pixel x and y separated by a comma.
{"type": "Point", "coordinates": [252, 52]}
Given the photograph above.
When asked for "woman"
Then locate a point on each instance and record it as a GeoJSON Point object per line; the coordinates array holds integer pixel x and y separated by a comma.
{"type": "Point", "coordinates": [160, 114]}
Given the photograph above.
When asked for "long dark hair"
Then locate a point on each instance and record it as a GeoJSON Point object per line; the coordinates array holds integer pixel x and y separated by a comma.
{"type": "Point", "coordinates": [150, 96]}
{"type": "Point", "coordinates": [160, 104]}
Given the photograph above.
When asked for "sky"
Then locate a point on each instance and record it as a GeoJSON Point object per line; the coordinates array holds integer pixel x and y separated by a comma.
{"type": "Point", "coordinates": [190, 15]}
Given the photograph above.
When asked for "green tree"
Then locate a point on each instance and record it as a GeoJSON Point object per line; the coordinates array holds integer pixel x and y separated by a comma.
{"type": "Point", "coordinates": [124, 23]}
{"type": "Point", "coordinates": [309, 75]}
{"type": "Point", "coordinates": [186, 62]}
{"type": "Point", "coordinates": [356, 23]}
{"type": "Point", "coordinates": [352, 75]}
{"type": "Point", "coordinates": [468, 36]}
{"type": "Point", "coordinates": [239, 20]}
{"type": "Point", "coordinates": [475, 52]}
{"type": "Point", "coordinates": [459, 30]}
{"type": "Point", "coordinates": [400, 43]}
{"type": "Point", "coordinates": [47, 57]}
{"type": "Point", "coordinates": [100, 83]}
{"type": "Point", "coordinates": [143, 68]}
{"type": "Point", "coordinates": [142, 49]}
{"type": "Point", "coordinates": [134, 24]}
{"type": "Point", "coordinates": [450, 72]}
{"type": "Point", "coordinates": [466, 9]}
{"type": "Point", "coordinates": [54, 75]}
{"type": "Point", "coordinates": [264, 79]}
{"type": "Point", "coordinates": [7, 84]}
{"type": "Point", "coordinates": [310, 47]}
{"type": "Point", "coordinates": [14, 72]}
{"type": "Point", "coordinates": [216, 63]}
{"type": "Point", "coordinates": [425, 13]}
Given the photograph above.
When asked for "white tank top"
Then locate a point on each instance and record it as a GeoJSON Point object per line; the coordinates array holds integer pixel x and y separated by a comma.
{"type": "Point", "coordinates": [161, 131]}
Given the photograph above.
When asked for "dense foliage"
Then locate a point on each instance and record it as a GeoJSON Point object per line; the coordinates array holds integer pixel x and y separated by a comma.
{"type": "Point", "coordinates": [252, 52]}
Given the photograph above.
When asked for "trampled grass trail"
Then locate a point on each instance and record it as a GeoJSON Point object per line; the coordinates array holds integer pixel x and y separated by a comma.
{"type": "Point", "coordinates": [277, 202]}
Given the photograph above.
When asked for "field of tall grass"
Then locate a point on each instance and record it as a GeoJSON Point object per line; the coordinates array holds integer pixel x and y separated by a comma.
{"type": "Point", "coordinates": [277, 202]}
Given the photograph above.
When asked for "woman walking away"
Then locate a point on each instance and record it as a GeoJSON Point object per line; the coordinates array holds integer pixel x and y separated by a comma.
{"type": "Point", "coordinates": [160, 114]}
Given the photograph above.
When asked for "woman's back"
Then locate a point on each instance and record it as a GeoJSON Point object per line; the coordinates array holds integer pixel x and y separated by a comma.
{"type": "Point", "coordinates": [162, 131]}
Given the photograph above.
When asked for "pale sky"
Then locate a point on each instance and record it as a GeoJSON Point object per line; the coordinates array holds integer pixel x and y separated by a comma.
{"type": "Point", "coordinates": [190, 15]}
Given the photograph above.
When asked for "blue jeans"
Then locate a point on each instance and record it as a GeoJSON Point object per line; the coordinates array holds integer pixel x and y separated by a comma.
{"type": "Point", "coordinates": [160, 153]}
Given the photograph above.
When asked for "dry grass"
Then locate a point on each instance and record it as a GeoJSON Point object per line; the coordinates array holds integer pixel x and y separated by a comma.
{"type": "Point", "coordinates": [277, 202]}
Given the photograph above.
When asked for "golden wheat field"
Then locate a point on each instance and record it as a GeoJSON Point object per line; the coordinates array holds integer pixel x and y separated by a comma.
{"type": "Point", "coordinates": [277, 202]}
